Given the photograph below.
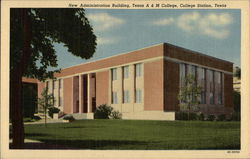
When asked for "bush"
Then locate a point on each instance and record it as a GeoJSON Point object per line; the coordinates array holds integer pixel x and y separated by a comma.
{"type": "Point", "coordinates": [116, 115]}
{"type": "Point", "coordinates": [181, 116]}
{"type": "Point", "coordinates": [201, 117]}
{"type": "Point", "coordinates": [103, 112]}
{"type": "Point", "coordinates": [69, 117]}
{"type": "Point", "coordinates": [221, 117]}
{"type": "Point", "coordinates": [211, 117]}
{"type": "Point", "coordinates": [184, 116]}
{"type": "Point", "coordinates": [27, 119]}
{"type": "Point", "coordinates": [31, 119]}
{"type": "Point", "coordinates": [235, 116]}
{"type": "Point", "coordinates": [53, 110]}
{"type": "Point", "coordinates": [193, 116]}
{"type": "Point", "coordinates": [36, 118]}
{"type": "Point", "coordinates": [60, 114]}
{"type": "Point", "coordinates": [236, 101]}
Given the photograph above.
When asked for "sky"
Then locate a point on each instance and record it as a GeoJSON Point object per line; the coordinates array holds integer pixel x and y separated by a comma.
{"type": "Point", "coordinates": [212, 32]}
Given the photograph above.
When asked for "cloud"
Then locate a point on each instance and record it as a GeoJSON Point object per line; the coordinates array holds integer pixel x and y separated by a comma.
{"type": "Point", "coordinates": [216, 25]}
{"type": "Point", "coordinates": [163, 22]}
{"type": "Point", "coordinates": [187, 22]}
{"type": "Point", "coordinates": [104, 21]}
{"type": "Point", "coordinates": [107, 40]}
{"type": "Point", "coordinates": [213, 24]}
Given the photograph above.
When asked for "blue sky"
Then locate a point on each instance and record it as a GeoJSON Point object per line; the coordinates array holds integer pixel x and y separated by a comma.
{"type": "Point", "coordinates": [212, 32]}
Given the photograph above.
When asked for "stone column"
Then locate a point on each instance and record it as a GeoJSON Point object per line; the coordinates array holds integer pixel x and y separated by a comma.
{"type": "Point", "coordinates": [133, 86]}
{"type": "Point", "coordinates": [120, 86]}
{"type": "Point", "coordinates": [72, 110]}
{"type": "Point", "coordinates": [89, 94]}
{"type": "Point", "coordinates": [80, 94]}
{"type": "Point", "coordinates": [110, 88]}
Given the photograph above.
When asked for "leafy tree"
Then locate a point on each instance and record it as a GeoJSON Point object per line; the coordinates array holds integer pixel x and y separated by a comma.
{"type": "Point", "coordinates": [29, 99]}
{"type": "Point", "coordinates": [189, 94]}
{"type": "Point", "coordinates": [237, 72]}
{"type": "Point", "coordinates": [32, 34]}
{"type": "Point", "coordinates": [237, 101]}
{"type": "Point", "coordinates": [45, 102]}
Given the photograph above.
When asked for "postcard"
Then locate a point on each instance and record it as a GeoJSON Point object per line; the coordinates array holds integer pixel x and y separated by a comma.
{"type": "Point", "coordinates": [126, 79]}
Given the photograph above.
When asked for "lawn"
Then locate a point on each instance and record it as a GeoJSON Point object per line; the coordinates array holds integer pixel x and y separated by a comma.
{"type": "Point", "coordinates": [138, 134]}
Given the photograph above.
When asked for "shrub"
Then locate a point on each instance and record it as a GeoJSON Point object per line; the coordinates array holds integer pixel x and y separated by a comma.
{"type": "Point", "coordinates": [60, 114]}
{"type": "Point", "coordinates": [221, 117]}
{"type": "Point", "coordinates": [69, 117]}
{"type": "Point", "coordinates": [103, 112]}
{"type": "Point", "coordinates": [36, 118]}
{"type": "Point", "coordinates": [27, 119]}
{"type": "Point", "coordinates": [193, 116]}
{"type": "Point", "coordinates": [53, 110]}
{"type": "Point", "coordinates": [31, 119]}
{"type": "Point", "coordinates": [116, 115]}
{"type": "Point", "coordinates": [181, 116]}
{"type": "Point", "coordinates": [201, 116]}
{"type": "Point", "coordinates": [235, 116]}
{"type": "Point", "coordinates": [236, 101]}
{"type": "Point", "coordinates": [211, 117]}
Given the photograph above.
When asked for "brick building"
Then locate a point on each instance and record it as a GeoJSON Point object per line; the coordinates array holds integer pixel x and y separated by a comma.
{"type": "Point", "coordinates": [143, 84]}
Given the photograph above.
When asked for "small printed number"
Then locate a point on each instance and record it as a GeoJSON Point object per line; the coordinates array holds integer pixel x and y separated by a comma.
{"type": "Point", "coordinates": [233, 151]}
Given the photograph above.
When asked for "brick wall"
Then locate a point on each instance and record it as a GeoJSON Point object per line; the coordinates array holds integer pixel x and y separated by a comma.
{"type": "Point", "coordinates": [142, 54]}
{"type": "Point", "coordinates": [171, 86]}
{"type": "Point", "coordinates": [153, 85]}
{"type": "Point", "coordinates": [102, 87]}
{"type": "Point", "coordinates": [191, 56]}
{"type": "Point", "coordinates": [68, 94]}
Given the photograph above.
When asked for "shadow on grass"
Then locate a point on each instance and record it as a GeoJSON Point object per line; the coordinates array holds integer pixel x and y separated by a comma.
{"type": "Point", "coordinates": [50, 143]}
{"type": "Point", "coordinates": [81, 127]}
{"type": "Point", "coordinates": [81, 144]}
{"type": "Point", "coordinates": [35, 135]}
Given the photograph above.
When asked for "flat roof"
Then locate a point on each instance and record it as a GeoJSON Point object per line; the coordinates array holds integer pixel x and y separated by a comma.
{"type": "Point", "coordinates": [164, 43]}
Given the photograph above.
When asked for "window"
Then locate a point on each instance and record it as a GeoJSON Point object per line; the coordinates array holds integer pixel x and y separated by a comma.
{"type": "Point", "coordinates": [138, 69]}
{"type": "Point", "coordinates": [114, 98]}
{"type": "Point", "coordinates": [218, 87]}
{"type": "Point", "coordinates": [201, 82]}
{"type": "Point", "coordinates": [138, 96]}
{"type": "Point", "coordinates": [125, 72]}
{"type": "Point", "coordinates": [217, 77]}
{"type": "Point", "coordinates": [191, 69]}
{"type": "Point", "coordinates": [182, 74]}
{"type": "Point", "coordinates": [210, 85]}
{"type": "Point", "coordinates": [126, 97]}
{"type": "Point", "coordinates": [114, 74]}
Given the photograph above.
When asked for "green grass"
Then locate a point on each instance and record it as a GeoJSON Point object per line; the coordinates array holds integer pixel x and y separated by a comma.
{"type": "Point", "coordinates": [138, 134]}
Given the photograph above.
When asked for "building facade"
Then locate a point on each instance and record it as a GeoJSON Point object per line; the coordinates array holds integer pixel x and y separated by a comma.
{"type": "Point", "coordinates": [143, 84]}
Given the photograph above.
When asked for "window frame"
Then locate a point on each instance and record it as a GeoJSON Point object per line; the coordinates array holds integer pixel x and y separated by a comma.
{"type": "Point", "coordinates": [125, 70]}
{"type": "Point", "coordinates": [138, 70]}
{"type": "Point", "coordinates": [114, 98]}
{"type": "Point", "coordinates": [138, 96]}
{"type": "Point", "coordinates": [126, 96]}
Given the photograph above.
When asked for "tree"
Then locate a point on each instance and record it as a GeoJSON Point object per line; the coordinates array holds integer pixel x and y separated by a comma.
{"type": "Point", "coordinates": [32, 35]}
{"type": "Point", "coordinates": [237, 101]}
{"type": "Point", "coordinates": [45, 102]}
{"type": "Point", "coordinates": [189, 94]}
{"type": "Point", "coordinates": [237, 72]}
